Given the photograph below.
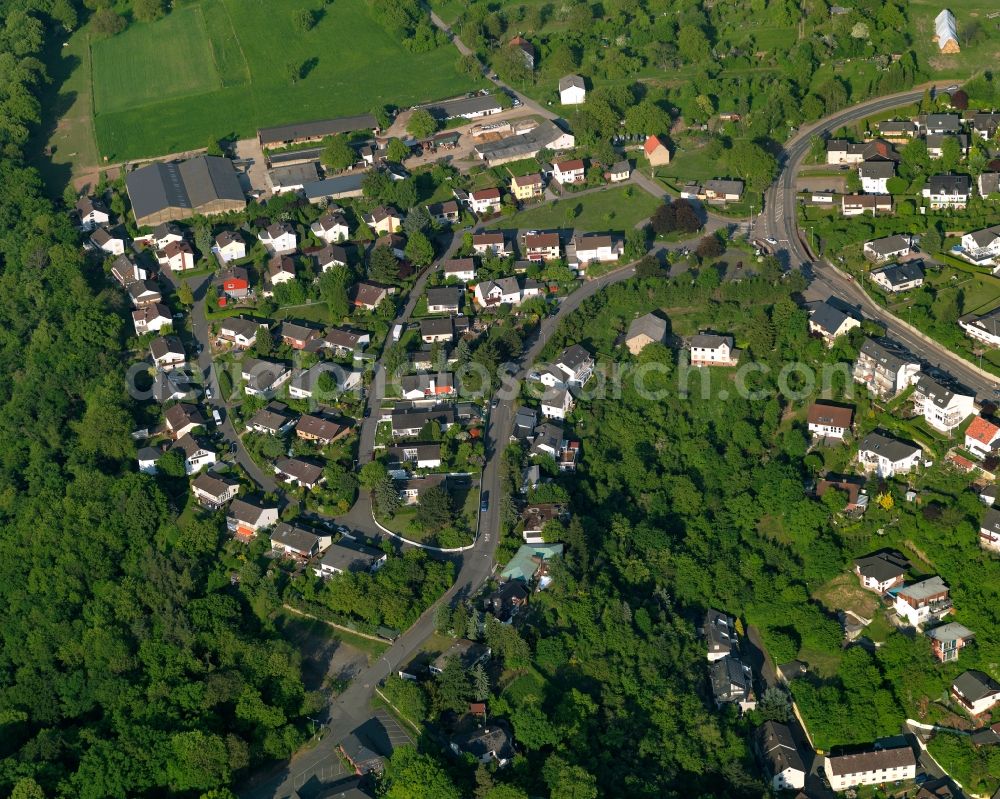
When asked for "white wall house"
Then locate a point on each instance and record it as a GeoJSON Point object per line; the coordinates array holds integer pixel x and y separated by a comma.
{"type": "Point", "coordinates": [942, 408]}
{"type": "Point", "coordinates": [572, 90]}
{"type": "Point", "coordinates": [712, 350]}
{"type": "Point", "coordinates": [923, 601]}
{"type": "Point", "coordinates": [887, 456]}
{"type": "Point", "coordinates": [876, 767]}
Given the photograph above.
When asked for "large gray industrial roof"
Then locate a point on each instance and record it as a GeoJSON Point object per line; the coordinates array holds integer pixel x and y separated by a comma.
{"type": "Point", "coordinates": [189, 184]}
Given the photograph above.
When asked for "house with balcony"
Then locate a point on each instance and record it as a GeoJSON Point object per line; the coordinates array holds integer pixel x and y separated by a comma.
{"type": "Point", "coordinates": [984, 329]}
{"type": "Point", "coordinates": [829, 421]}
{"type": "Point", "coordinates": [527, 187]}
{"type": "Point", "coordinates": [948, 640]}
{"type": "Point", "coordinates": [485, 201]}
{"type": "Point", "coordinates": [923, 602]}
{"type": "Point", "coordinates": [948, 191]}
{"type": "Point", "coordinates": [542, 246]}
{"type": "Point", "coordinates": [248, 517]}
{"type": "Point", "coordinates": [495, 243]}
{"type": "Point", "coordinates": [885, 368]}
{"type": "Point", "coordinates": [981, 247]}
{"type": "Point", "coordinates": [572, 171]}
{"type": "Point", "coordinates": [594, 248]}
{"type": "Point", "coordinates": [348, 555]}
{"type": "Point", "coordinates": [732, 683]}
{"type": "Point", "coordinates": [897, 278]}
{"type": "Point", "coordinates": [943, 409]}
{"type": "Point", "coordinates": [297, 542]}
{"type": "Point", "coordinates": [887, 457]}
{"type": "Point", "coordinates": [975, 692]}
{"type": "Point", "coordinates": [989, 530]}
{"type": "Point", "coordinates": [214, 491]}
{"type": "Point", "coordinates": [875, 176]}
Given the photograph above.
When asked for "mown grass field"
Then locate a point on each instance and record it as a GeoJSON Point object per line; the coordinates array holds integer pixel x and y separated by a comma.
{"type": "Point", "coordinates": [610, 209]}
{"type": "Point", "coordinates": [220, 68]}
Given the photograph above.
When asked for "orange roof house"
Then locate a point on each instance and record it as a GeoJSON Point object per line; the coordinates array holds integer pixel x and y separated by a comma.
{"type": "Point", "coordinates": [656, 151]}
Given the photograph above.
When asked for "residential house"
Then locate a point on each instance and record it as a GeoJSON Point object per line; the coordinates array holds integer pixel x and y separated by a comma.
{"type": "Point", "coordinates": [182, 419]}
{"type": "Point", "coordinates": [348, 555]}
{"type": "Point", "coordinates": [489, 743]}
{"type": "Point", "coordinates": [885, 249]}
{"type": "Point", "coordinates": [420, 456]}
{"type": "Point", "coordinates": [92, 212]}
{"type": "Point", "coordinates": [935, 144]}
{"type": "Point", "coordinates": [334, 255]}
{"type": "Point", "coordinates": [196, 456]}
{"type": "Point", "coordinates": [263, 378]}
{"type": "Point", "coordinates": [885, 368]}
{"type": "Point", "coordinates": [948, 640]}
{"type": "Point", "coordinates": [527, 187]}
{"type": "Point", "coordinates": [556, 403]}
{"type": "Point", "coordinates": [619, 172]}
{"type": "Point", "coordinates": [988, 494]}
{"type": "Point", "coordinates": [982, 437]}
{"type": "Point", "coordinates": [126, 271]}
{"type": "Point", "coordinates": [549, 440]}
{"type": "Point", "coordinates": [280, 269]}
{"type": "Point", "coordinates": [881, 571]}
{"type": "Point", "coordinates": [575, 365]}
{"type": "Point", "coordinates": [165, 233]}
{"type": "Point", "coordinates": [526, 49]}
{"type": "Point", "coordinates": [572, 171]}
{"type": "Point", "coordinates": [645, 330]}
{"type": "Point", "coordinates": [721, 191]}
{"type": "Point", "coordinates": [440, 385]}
{"type": "Point", "coordinates": [572, 90]}
{"type": "Point", "coordinates": [485, 201]}
{"type": "Point", "coordinates": [982, 246]}
{"type": "Point", "coordinates": [358, 752]}
{"type": "Point", "coordinates": [368, 295]}
{"type": "Point", "coordinates": [246, 518]}
{"type": "Point", "coordinates": [229, 246]}
{"type": "Point", "coordinates": [719, 630]}
{"type": "Point", "coordinates": [899, 277]}
{"type": "Point", "coordinates": [542, 246]}
{"type": "Point", "coordinates": [536, 516]}
{"type": "Point", "coordinates": [446, 213]}
{"type": "Point", "coordinates": [942, 408]}
{"type": "Point", "coordinates": [859, 204]}
{"type": "Point", "coordinates": [212, 491]}
{"type": "Point", "coordinates": [988, 183]}
{"type": "Point", "coordinates": [887, 456]}
{"type": "Point", "coordinates": [710, 349]}
{"type": "Point", "coordinates": [875, 176]}
{"type": "Point", "coordinates": [407, 423]}
{"type": "Point", "coordinates": [234, 283]}
{"type": "Point", "coordinates": [507, 600]}
{"type": "Point", "coordinates": [783, 763]}
{"type": "Point", "coordinates": [876, 767]}
{"type": "Point", "coordinates": [732, 683]}
{"type": "Point", "coordinates": [239, 332]}
{"type": "Point", "coordinates": [144, 292]}
{"type": "Point", "coordinates": [495, 243]}
{"type": "Point", "coordinates": [829, 421]}
{"type": "Point", "coordinates": [853, 487]}
{"type": "Point", "coordinates": [279, 238]}
{"type": "Point", "coordinates": [167, 352]}
{"type": "Point", "coordinates": [461, 269]}
{"type": "Point", "coordinates": [384, 219]}
{"type": "Point", "coordinates": [441, 330]}
{"type": "Point", "coordinates": [989, 530]}
{"type": "Point", "coordinates": [299, 472]}
{"type": "Point", "coordinates": [985, 328]}
{"type": "Point", "coordinates": [344, 341]}
{"type": "Point", "coordinates": [830, 322]}
{"type": "Point", "coordinates": [107, 241]}
{"type": "Point", "coordinates": [319, 429]}
{"type": "Point", "coordinates": [594, 248]}
{"type": "Point", "coordinates": [411, 489]}
{"type": "Point", "coordinates": [177, 256]}
{"type": "Point", "coordinates": [656, 150]}
{"type": "Point", "coordinates": [899, 131]}
{"type": "Point", "coordinates": [923, 601]}
{"type": "Point", "coordinates": [503, 291]}
{"type": "Point", "coordinates": [931, 124]}
{"type": "Point", "coordinates": [147, 458]}
{"type": "Point", "coordinates": [274, 419]}
{"type": "Point", "coordinates": [531, 562]}
{"type": "Point", "coordinates": [297, 336]}
{"type": "Point", "coordinates": [169, 386]}
{"type": "Point", "coordinates": [444, 300]}
{"type": "Point", "coordinates": [151, 318]}
{"type": "Point", "coordinates": [843, 152]}
{"type": "Point", "coordinates": [948, 191]}
{"type": "Point", "coordinates": [298, 542]}
{"type": "Point", "coordinates": [976, 692]}
{"type": "Point", "coordinates": [305, 382]}
{"type": "Point", "coordinates": [331, 227]}
{"type": "Point", "coordinates": [985, 125]}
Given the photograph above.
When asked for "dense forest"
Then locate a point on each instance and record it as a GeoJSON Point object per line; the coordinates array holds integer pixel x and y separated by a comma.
{"type": "Point", "coordinates": [129, 666]}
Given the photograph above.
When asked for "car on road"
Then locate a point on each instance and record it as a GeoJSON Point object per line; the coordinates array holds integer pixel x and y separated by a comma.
{"type": "Point", "coordinates": [494, 403]}
{"type": "Point", "coordinates": [368, 412]}
{"type": "Point", "coordinates": [771, 240]}
{"type": "Point", "coordinates": [996, 392]}
{"type": "Point", "coordinates": [232, 448]}
{"type": "Point", "coordinates": [208, 392]}
{"type": "Point", "coordinates": [484, 503]}
{"type": "Point", "coordinates": [216, 417]}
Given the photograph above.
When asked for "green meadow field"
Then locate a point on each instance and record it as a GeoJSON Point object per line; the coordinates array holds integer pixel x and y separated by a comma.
{"type": "Point", "coordinates": [220, 68]}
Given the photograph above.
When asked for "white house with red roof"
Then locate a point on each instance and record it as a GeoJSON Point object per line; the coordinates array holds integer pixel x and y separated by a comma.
{"type": "Point", "coordinates": [982, 437]}
{"type": "Point", "coordinates": [485, 201]}
{"type": "Point", "coordinates": [569, 171]}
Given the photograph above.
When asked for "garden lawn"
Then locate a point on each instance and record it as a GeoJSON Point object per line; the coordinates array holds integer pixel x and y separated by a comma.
{"type": "Point", "coordinates": [593, 212]}
{"type": "Point", "coordinates": [227, 72]}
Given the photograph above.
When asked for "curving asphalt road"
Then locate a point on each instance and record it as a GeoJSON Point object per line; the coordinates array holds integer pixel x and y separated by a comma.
{"type": "Point", "coordinates": [779, 220]}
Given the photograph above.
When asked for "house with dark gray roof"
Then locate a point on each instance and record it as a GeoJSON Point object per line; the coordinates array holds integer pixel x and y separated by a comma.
{"type": "Point", "coordinates": [719, 631]}
{"type": "Point", "coordinates": [887, 456]}
{"type": "Point", "coordinates": [294, 541]}
{"type": "Point", "coordinates": [889, 247]}
{"type": "Point", "coordinates": [732, 683]}
{"type": "Point", "coordinates": [830, 322]}
{"type": "Point", "coordinates": [348, 555]}
{"type": "Point", "coordinates": [782, 761]}
{"type": "Point", "coordinates": [876, 766]}
{"type": "Point", "coordinates": [314, 131]}
{"type": "Point", "coordinates": [899, 277]}
{"type": "Point", "coordinates": [881, 571]}
{"type": "Point", "coordinates": [976, 692]}
{"type": "Point", "coordinates": [203, 185]}
{"type": "Point", "coordinates": [885, 367]}
{"type": "Point", "coordinates": [645, 330]}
